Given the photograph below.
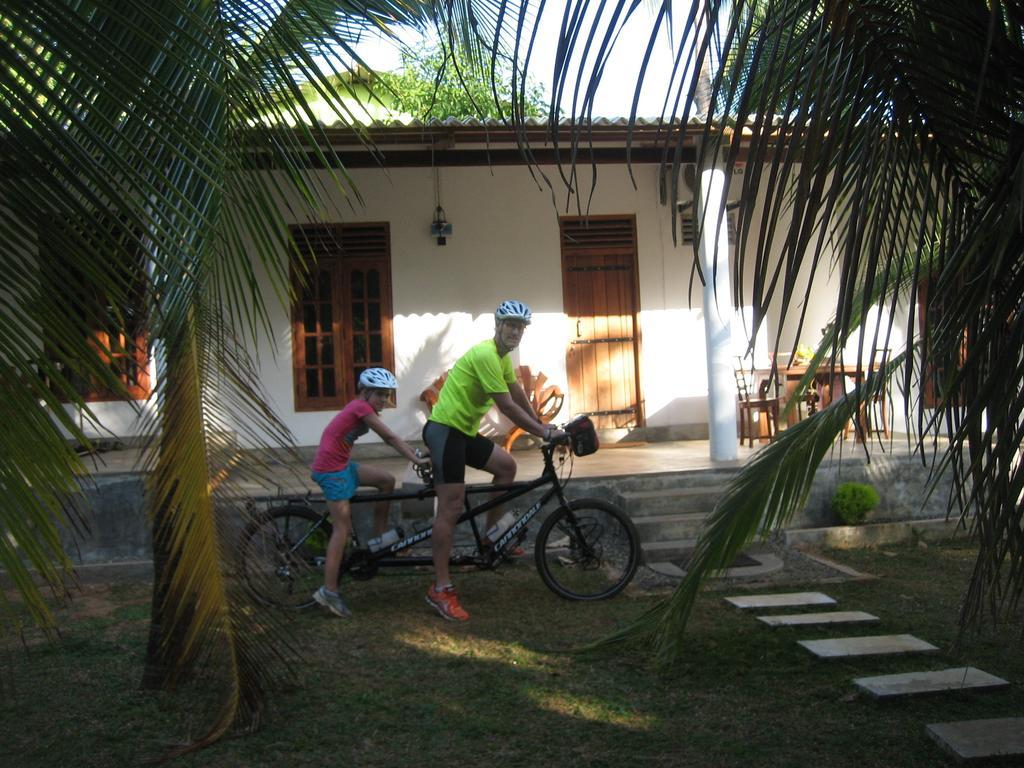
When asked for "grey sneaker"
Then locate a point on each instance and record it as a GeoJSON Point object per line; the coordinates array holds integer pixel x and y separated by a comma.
{"type": "Point", "coordinates": [332, 602]}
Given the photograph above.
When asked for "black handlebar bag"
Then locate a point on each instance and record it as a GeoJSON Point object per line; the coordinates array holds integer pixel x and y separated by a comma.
{"type": "Point", "coordinates": [582, 436]}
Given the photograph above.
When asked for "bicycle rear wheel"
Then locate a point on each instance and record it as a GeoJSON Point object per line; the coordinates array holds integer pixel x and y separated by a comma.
{"type": "Point", "coordinates": [588, 550]}
{"type": "Point", "coordinates": [282, 556]}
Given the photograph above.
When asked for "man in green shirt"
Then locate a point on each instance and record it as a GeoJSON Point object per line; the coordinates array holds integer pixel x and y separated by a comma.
{"type": "Point", "coordinates": [481, 378]}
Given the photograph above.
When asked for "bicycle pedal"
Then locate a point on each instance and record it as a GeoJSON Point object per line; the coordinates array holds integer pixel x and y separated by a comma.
{"type": "Point", "coordinates": [513, 554]}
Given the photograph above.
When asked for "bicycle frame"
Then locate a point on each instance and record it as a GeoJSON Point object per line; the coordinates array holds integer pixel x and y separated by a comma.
{"type": "Point", "coordinates": [387, 556]}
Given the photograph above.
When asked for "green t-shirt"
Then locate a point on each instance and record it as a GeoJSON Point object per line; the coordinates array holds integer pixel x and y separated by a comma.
{"type": "Point", "coordinates": [465, 397]}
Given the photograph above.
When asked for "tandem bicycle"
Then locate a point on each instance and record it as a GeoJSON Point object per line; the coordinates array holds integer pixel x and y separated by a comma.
{"type": "Point", "coordinates": [585, 549]}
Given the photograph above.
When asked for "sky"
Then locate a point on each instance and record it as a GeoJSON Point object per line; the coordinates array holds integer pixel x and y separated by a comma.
{"type": "Point", "coordinates": [614, 97]}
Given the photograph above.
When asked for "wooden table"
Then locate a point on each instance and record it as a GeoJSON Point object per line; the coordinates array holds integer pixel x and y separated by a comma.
{"type": "Point", "coordinates": [827, 380]}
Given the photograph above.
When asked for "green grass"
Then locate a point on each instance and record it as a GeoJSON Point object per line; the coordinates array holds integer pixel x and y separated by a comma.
{"type": "Point", "coordinates": [397, 686]}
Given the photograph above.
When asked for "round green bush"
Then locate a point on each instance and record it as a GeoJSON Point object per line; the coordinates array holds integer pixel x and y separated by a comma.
{"type": "Point", "coordinates": [852, 501]}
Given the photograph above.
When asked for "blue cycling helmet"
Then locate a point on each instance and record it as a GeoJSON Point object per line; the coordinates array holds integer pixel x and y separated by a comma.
{"type": "Point", "coordinates": [377, 378]}
{"type": "Point", "coordinates": [513, 310]}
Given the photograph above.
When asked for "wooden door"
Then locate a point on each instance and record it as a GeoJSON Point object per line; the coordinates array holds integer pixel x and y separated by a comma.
{"type": "Point", "coordinates": [599, 286]}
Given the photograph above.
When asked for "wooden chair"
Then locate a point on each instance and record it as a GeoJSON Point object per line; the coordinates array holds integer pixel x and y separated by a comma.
{"type": "Point", "coordinates": [765, 407]}
{"type": "Point", "coordinates": [877, 415]}
{"type": "Point", "coordinates": [546, 400]}
{"type": "Point", "coordinates": [873, 416]}
{"type": "Point", "coordinates": [430, 394]}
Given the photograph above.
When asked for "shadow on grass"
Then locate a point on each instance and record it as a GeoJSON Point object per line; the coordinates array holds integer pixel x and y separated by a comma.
{"type": "Point", "coordinates": [396, 685]}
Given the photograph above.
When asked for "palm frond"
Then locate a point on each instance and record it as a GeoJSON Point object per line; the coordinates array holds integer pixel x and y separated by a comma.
{"type": "Point", "coordinates": [882, 149]}
{"type": "Point", "coordinates": [129, 195]}
{"type": "Point", "coordinates": [762, 498]}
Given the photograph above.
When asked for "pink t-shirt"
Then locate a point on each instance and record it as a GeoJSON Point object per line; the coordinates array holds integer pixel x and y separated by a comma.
{"type": "Point", "coordinates": [339, 435]}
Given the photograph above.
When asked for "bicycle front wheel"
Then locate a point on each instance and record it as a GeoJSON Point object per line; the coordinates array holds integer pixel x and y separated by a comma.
{"type": "Point", "coordinates": [588, 550]}
{"type": "Point", "coordinates": [283, 554]}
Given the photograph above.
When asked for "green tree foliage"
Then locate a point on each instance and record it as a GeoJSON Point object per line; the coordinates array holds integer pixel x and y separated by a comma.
{"type": "Point", "coordinates": [438, 83]}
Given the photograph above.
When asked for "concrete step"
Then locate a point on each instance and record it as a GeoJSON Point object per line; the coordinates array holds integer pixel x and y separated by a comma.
{"type": "Point", "coordinates": [779, 600]}
{"type": "Point", "coordinates": [653, 528]}
{"type": "Point", "coordinates": [937, 681]}
{"type": "Point", "coordinates": [981, 741]}
{"type": "Point", "coordinates": [877, 645]}
{"type": "Point", "coordinates": [818, 618]}
{"type": "Point", "coordinates": [668, 481]}
{"type": "Point", "coordinates": [671, 559]}
{"type": "Point", "coordinates": [660, 501]}
{"type": "Point", "coordinates": [874, 534]}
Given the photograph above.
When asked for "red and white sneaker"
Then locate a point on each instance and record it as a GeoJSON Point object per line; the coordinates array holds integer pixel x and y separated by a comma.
{"type": "Point", "coordinates": [446, 602]}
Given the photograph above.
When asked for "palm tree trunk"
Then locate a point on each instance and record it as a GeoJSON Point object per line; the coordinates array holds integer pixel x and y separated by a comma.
{"type": "Point", "coordinates": [166, 645]}
{"type": "Point", "coordinates": [169, 655]}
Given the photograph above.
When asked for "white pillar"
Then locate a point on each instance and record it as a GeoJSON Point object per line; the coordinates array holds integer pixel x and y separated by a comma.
{"type": "Point", "coordinates": [713, 252]}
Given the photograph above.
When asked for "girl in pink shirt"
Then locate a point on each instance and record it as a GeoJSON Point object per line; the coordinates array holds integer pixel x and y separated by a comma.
{"type": "Point", "coordinates": [339, 477]}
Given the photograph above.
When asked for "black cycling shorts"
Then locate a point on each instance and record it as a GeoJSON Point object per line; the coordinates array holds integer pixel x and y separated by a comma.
{"type": "Point", "coordinates": [451, 450]}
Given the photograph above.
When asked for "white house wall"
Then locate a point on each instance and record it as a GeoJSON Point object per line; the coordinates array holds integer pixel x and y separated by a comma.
{"type": "Point", "coordinates": [505, 244]}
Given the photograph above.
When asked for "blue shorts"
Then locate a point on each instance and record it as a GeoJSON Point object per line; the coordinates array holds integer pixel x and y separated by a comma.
{"type": "Point", "coordinates": [339, 486]}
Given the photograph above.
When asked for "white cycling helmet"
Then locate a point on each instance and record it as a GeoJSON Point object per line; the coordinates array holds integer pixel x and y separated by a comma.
{"type": "Point", "coordinates": [377, 378]}
{"type": "Point", "coordinates": [513, 310]}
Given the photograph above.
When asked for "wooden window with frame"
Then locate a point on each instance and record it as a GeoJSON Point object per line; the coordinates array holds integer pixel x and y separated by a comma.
{"type": "Point", "coordinates": [126, 353]}
{"type": "Point", "coordinates": [115, 330]}
{"type": "Point", "coordinates": [341, 319]}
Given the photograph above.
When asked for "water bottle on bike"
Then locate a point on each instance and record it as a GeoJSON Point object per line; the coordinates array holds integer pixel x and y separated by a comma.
{"type": "Point", "coordinates": [505, 522]}
{"type": "Point", "coordinates": [386, 539]}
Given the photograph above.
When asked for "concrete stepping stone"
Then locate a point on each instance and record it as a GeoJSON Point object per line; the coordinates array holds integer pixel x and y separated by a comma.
{"type": "Point", "coordinates": [749, 566]}
{"type": "Point", "coordinates": [666, 568]}
{"type": "Point", "coordinates": [971, 740]}
{"type": "Point", "coordinates": [876, 645]}
{"type": "Point", "coordinates": [915, 683]}
{"type": "Point", "coordinates": [822, 617]}
{"type": "Point", "coordinates": [786, 600]}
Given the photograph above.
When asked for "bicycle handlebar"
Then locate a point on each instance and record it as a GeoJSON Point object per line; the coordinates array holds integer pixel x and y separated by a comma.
{"type": "Point", "coordinates": [425, 472]}
{"type": "Point", "coordinates": [563, 440]}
